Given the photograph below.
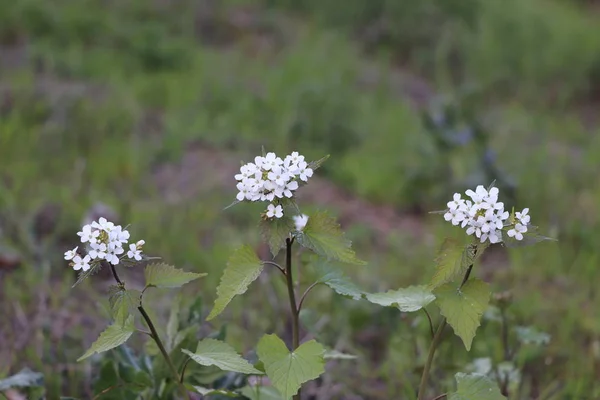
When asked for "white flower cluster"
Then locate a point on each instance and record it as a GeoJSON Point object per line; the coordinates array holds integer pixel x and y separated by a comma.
{"type": "Point", "coordinates": [105, 242]}
{"type": "Point", "coordinates": [269, 178]}
{"type": "Point", "coordinates": [484, 216]}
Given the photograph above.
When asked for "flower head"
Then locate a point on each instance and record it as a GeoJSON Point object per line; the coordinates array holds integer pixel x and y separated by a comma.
{"type": "Point", "coordinates": [484, 216]}
{"type": "Point", "coordinates": [270, 178]}
{"type": "Point", "coordinates": [105, 242]}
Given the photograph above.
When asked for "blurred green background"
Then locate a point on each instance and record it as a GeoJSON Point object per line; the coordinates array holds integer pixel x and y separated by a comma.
{"type": "Point", "coordinates": [142, 110]}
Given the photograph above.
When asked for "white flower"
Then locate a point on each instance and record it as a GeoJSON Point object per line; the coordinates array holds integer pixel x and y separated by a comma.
{"type": "Point", "coordinates": [270, 161]}
{"type": "Point", "coordinates": [289, 188]}
{"type": "Point", "coordinates": [523, 216]}
{"type": "Point", "coordinates": [293, 160]}
{"type": "Point", "coordinates": [494, 236]}
{"type": "Point", "coordinates": [112, 254]}
{"type": "Point", "coordinates": [118, 234]}
{"type": "Point", "coordinates": [103, 224]}
{"type": "Point", "coordinates": [134, 252]}
{"type": "Point", "coordinates": [98, 250]}
{"type": "Point", "coordinates": [81, 263]}
{"type": "Point", "coordinates": [70, 254]}
{"type": "Point", "coordinates": [517, 231]}
{"type": "Point", "coordinates": [140, 243]}
{"type": "Point", "coordinates": [478, 195]}
{"type": "Point", "coordinates": [457, 203]}
{"type": "Point", "coordinates": [273, 211]}
{"type": "Point", "coordinates": [300, 221]}
{"type": "Point", "coordinates": [88, 235]}
{"type": "Point", "coordinates": [244, 192]}
{"type": "Point", "coordinates": [278, 175]}
{"type": "Point", "coordinates": [456, 216]}
{"type": "Point", "coordinates": [303, 171]}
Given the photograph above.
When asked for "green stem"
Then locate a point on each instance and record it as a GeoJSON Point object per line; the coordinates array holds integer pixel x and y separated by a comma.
{"type": "Point", "coordinates": [437, 338]}
{"type": "Point", "coordinates": [155, 336]}
{"type": "Point", "coordinates": [294, 308]}
{"type": "Point", "coordinates": [163, 351]}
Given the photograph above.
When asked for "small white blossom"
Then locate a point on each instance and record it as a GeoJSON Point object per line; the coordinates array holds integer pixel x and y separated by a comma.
{"type": "Point", "coordinates": [303, 171]}
{"type": "Point", "coordinates": [70, 254]}
{"type": "Point", "coordinates": [103, 224]}
{"type": "Point", "coordinates": [274, 211]}
{"type": "Point", "coordinates": [81, 263]}
{"type": "Point", "coordinates": [88, 235]}
{"type": "Point", "coordinates": [134, 252]}
{"type": "Point", "coordinates": [98, 250]}
{"type": "Point", "coordinates": [140, 243]}
{"type": "Point", "coordinates": [456, 216]}
{"type": "Point", "coordinates": [517, 231]}
{"type": "Point", "coordinates": [523, 216]}
{"type": "Point", "coordinates": [300, 221]}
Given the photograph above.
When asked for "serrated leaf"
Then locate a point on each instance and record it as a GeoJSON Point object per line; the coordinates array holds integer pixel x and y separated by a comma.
{"type": "Point", "coordinates": [336, 280]}
{"type": "Point", "coordinates": [173, 323]}
{"type": "Point", "coordinates": [211, 392]}
{"type": "Point", "coordinates": [242, 269]}
{"type": "Point", "coordinates": [211, 352]}
{"type": "Point", "coordinates": [453, 259]}
{"type": "Point", "coordinates": [275, 231]}
{"type": "Point", "coordinates": [83, 275]}
{"type": "Point", "coordinates": [113, 336]}
{"type": "Point", "coordinates": [464, 307]}
{"type": "Point", "coordinates": [410, 299]}
{"type": "Point", "coordinates": [261, 393]}
{"type": "Point", "coordinates": [122, 301]}
{"type": "Point", "coordinates": [322, 235]}
{"type": "Point", "coordinates": [475, 387]}
{"type": "Point", "coordinates": [163, 275]}
{"type": "Point", "coordinates": [289, 370]}
{"type": "Point", "coordinates": [316, 164]}
{"type": "Point", "coordinates": [23, 378]}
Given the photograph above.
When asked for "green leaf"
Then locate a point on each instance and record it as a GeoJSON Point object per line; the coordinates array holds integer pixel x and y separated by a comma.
{"type": "Point", "coordinates": [453, 259]}
{"type": "Point", "coordinates": [210, 392]}
{"type": "Point", "coordinates": [214, 352]}
{"type": "Point", "coordinates": [275, 231]}
{"type": "Point", "coordinates": [464, 307]}
{"type": "Point", "coordinates": [322, 235]}
{"type": "Point", "coordinates": [532, 236]}
{"type": "Point", "coordinates": [83, 275]}
{"type": "Point", "coordinates": [242, 269]}
{"type": "Point", "coordinates": [314, 165]}
{"type": "Point", "coordinates": [113, 336]}
{"type": "Point", "coordinates": [336, 280]}
{"type": "Point", "coordinates": [289, 370]}
{"type": "Point", "coordinates": [410, 299]}
{"type": "Point", "coordinates": [23, 378]}
{"type": "Point", "coordinates": [173, 323]}
{"type": "Point", "coordinates": [163, 275]}
{"type": "Point", "coordinates": [122, 302]}
{"type": "Point", "coordinates": [261, 393]}
{"type": "Point", "coordinates": [475, 387]}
